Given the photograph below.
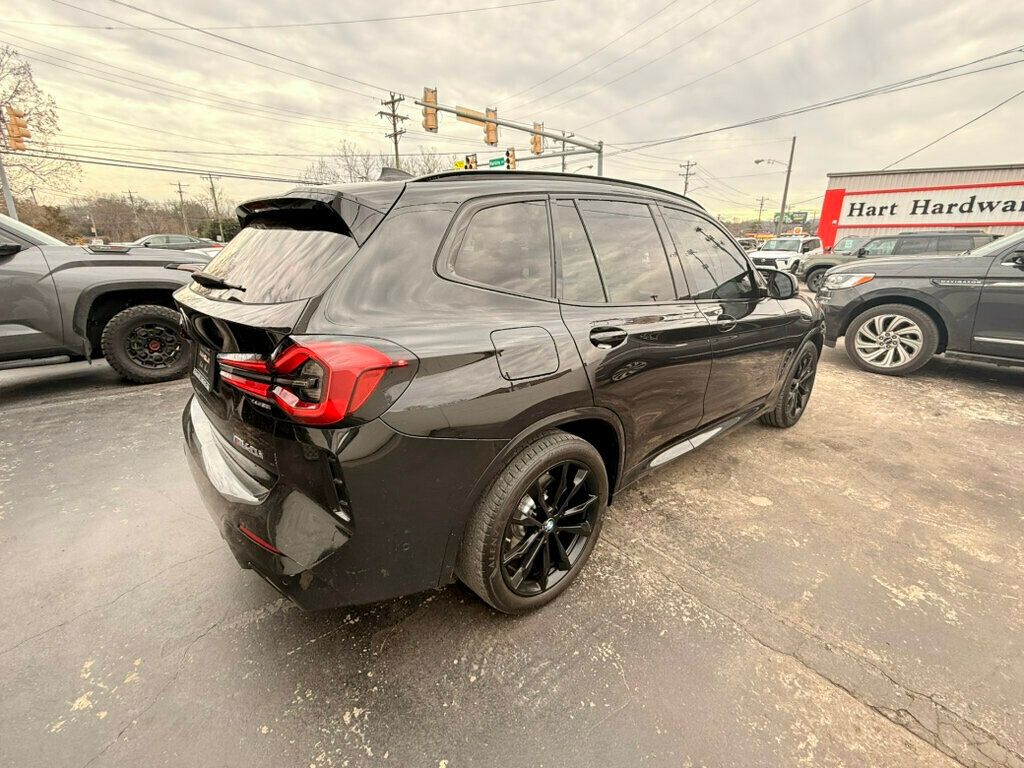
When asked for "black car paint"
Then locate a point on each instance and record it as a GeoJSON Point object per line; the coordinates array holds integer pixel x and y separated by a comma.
{"type": "Point", "coordinates": [378, 510]}
{"type": "Point", "coordinates": [973, 299]}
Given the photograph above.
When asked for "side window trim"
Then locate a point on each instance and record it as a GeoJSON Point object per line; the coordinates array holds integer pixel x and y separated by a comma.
{"type": "Point", "coordinates": [456, 235]}
{"type": "Point", "coordinates": [650, 205]}
{"type": "Point", "coordinates": [556, 241]}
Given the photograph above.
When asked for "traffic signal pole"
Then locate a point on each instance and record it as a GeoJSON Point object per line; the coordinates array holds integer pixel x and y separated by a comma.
{"type": "Point", "coordinates": [8, 197]}
{"type": "Point", "coordinates": [472, 116]}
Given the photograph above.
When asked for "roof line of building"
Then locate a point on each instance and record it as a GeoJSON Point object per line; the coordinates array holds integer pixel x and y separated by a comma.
{"type": "Point", "coordinates": [900, 171]}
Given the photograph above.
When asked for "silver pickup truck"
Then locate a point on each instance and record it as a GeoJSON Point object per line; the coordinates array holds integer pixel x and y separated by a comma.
{"type": "Point", "coordinates": [60, 302]}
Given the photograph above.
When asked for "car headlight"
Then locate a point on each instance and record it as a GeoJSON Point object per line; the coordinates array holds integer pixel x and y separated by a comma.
{"type": "Point", "coordinates": [847, 280]}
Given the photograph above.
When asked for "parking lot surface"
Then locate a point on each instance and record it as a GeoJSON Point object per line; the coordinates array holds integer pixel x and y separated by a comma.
{"type": "Point", "coordinates": [848, 592]}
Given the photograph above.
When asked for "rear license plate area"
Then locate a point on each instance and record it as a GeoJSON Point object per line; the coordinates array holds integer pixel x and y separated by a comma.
{"type": "Point", "coordinates": [204, 368]}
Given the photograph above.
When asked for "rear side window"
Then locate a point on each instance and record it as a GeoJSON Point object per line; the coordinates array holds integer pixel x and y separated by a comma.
{"type": "Point", "coordinates": [578, 278]}
{"type": "Point", "coordinates": [629, 250]}
{"type": "Point", "coordinates": [909, 246]}
{"type": "Point", "coordinates": [279, 258]}
{"type": "Point", "coordinates": [955, 243]}
{"type": "Point", "coordinates": [508, 247]}
{"type": "Point", "coordinates": [713, 267]}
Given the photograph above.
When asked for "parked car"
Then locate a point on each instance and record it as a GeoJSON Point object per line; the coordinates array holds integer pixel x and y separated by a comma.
{"type": "Point", "coordinates": [896, 313]}
{"type": "Point", "coordinates": [402, 382]}
{"type": "Point", "coordinates": [812, 270]}
{"type": "Point", "coordinates": [787, 252]}
{"type": "Point", "coordinates": [174, 242]}
{"type": "Point", "coordinates": [60, 302]}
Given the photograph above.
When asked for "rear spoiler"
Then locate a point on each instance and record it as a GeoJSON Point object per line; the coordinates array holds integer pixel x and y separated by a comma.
{"type": "Point", "coordinates": [360, 206]}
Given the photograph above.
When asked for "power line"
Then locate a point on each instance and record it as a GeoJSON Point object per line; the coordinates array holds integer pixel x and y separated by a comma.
{"type": "Point", "coordinates": [911, 83]}
{"type": "Point", "coordinates": [338, 22]}
{"type": "Point", "coordinates": [792, 37]}
{"type": "Point", "coordinates": [633, 71]}
{"type": "Point", "coordinates": [955, 130]}
{"type": "Point", "coordinates": [592, 54]}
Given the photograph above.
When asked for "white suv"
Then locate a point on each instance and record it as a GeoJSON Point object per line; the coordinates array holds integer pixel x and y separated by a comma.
{"type": "Point", "coordinates": [786, 252]}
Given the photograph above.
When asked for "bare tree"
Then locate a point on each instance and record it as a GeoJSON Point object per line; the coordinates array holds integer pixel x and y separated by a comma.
{"type": "Point", "coordinates": [18, 89]}
{"type": "Point", "coordinates": [350, 164]}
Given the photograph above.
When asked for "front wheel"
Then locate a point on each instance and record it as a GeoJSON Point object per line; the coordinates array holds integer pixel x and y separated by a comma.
{"type": "Point", "coordinates": [796, 391]}
{"type": "Point", "coordinates": [893, 339]}
{"type": "Point", "coordinates": [815, 278]}
{"type": "Point", "coordinates": [535, 526]}
{"type": "Point", "coordinates": [145, 344]}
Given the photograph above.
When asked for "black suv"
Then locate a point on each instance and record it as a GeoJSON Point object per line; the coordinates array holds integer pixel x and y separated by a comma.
{"type": "Point", "coordinates": [397, 383]}
{"type": "Point", "coordinates": [895, 313]}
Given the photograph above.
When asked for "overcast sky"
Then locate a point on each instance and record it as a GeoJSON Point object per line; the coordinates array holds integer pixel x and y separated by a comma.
{"type": "Point", "coordinates": [486, 58]}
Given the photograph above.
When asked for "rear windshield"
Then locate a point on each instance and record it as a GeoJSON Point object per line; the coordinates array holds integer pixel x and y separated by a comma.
{"type": "Point", "coordinates": [278, 259]}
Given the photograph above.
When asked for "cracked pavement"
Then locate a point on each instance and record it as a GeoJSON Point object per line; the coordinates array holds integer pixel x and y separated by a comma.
{"type": "Point", "coordinates": [845, 593]}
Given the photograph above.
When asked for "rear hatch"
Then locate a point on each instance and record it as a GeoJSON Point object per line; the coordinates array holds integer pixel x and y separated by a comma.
{"type": "Point", "coordinates": [261, 383]}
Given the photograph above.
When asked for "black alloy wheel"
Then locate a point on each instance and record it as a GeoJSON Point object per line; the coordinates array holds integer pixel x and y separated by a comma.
{"type": "Point", "coordinates": [800, 385]}
{"type": "Point", "coordinates": [153, 345]}
{"type": "Point", "coordinates": [548, 532]}
{"type": "Point", "coordinates": [815, 279]}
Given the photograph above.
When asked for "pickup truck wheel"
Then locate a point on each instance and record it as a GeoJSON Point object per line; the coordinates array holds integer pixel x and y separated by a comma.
{"type": "Point", "coordinates": [145, 344]}
{"type": "Point", "coordinates": [892, 339]}
{"type": "Point", "coordinates": [815, 278]}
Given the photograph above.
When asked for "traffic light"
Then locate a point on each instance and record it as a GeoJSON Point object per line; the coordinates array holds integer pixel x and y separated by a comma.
{"type": "Point", "coordinates": [470, 162]}
{"type": "Point", "coordinates": [536, 140]}
{"type": "Point", "coordinates": [430, 111]}
{"type": "Point", "coordinates": [17, 129]}
{"type": "Point", "coordinates": [510, 159]}
{"type": "Point", "coordinates": [491, 129]}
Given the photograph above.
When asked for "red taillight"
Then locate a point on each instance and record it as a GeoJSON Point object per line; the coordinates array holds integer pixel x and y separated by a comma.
{"type": "Point", "coordinates": [258, 541]}
{"type": "Point", "coordinates": [317, 382]}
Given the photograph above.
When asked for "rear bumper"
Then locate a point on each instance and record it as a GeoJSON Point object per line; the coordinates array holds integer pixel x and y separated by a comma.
{"type": "Point", "coordinates": [402, 505]}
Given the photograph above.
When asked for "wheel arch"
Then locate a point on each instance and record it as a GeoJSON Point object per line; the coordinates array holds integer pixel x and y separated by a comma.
{"type": "Point", "coordinates": [907, 299]}
{"type": "Point", "coordinates": [97, 305]}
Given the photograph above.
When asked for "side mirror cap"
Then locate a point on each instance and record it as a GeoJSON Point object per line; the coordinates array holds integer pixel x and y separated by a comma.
{"type": "Point", "coordinates": [9, 249]}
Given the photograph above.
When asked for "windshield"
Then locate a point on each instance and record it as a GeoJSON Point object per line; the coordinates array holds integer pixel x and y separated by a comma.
{"type": "Point", "coordinates": [781, 245]}
{"type": "Point", "coordinates": [277, 260]}
{"type": "Point", "coordinates": [27, 232]}
{"type": "Point", "coordinates": [997, 246]}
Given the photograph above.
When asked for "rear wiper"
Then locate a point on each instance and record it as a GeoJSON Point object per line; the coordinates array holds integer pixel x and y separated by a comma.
{"type": "Point", "coordinates": [207, 280]}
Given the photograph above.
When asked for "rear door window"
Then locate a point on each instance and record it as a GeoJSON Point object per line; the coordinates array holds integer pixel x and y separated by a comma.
{"type": "Point", "coordinates": [632, 259]}
{"type": "Point", "coordinates": [955, 243]}
{"type": "Point", "coordinates": [910, 246]}
{"type": "Point", "coordinates": [508, 247]}
{"type": "Point", "coordinates": [281, 257]}
{"type": "Point", "coordinates": [578, 277]}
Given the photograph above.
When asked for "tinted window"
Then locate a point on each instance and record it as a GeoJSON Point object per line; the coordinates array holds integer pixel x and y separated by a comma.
{"type": "Point", "coordinates": [629, 251]}
{"type": "Point", "coordinates": [578, 278]}
{"type": "Point", "coordinates": [955, 243]}
{"type": "Point", "coordinates": [882, 247]}
{"type": "Point", "coordinates": [714, 269]}
{"type": "Point", "coordinates": [908, 246]}
{"type": "Point", "coordinates": [508, 246]}
{"type": "Point", "coordinates": [158, 240]}
{"type": "Point", "coordinates": [281, 258]}
{"type": "Point", "coordinates": [980, 240]}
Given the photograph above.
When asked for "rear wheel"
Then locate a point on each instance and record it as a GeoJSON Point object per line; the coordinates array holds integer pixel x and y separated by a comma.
{"type": "Point", "coordinates": [815, 278]}
{"type": "Point", "coordinates": [892, 339]}
{"type": "Point", "coordinates": [145, 344]}
{"type": "Point", "coordinates": [535, 526]}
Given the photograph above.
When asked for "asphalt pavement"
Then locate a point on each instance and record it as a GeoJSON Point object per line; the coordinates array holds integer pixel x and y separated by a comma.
{"type": "Point", "coordinates": [847, 592]}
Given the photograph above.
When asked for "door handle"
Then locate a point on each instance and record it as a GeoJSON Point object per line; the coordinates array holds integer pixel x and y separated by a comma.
{"type": "Point", "coordinates": [725, 322]}
{"type": "Point", "coordinates": [606, 338]}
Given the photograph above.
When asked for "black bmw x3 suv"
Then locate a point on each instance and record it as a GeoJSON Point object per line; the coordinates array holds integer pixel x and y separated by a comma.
{"type": "Point", "coordinates": [401, 383]}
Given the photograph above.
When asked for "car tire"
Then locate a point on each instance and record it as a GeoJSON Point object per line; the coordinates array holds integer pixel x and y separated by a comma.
{"type": "Point", "coordinates": [145, 344]}
{"type": "Point", "coordinates": [517, 505]}
{"type": "Point", "coordinates": [892, 339]}
{"type": "Point", "coordinates": [796, 390]}
{"type": "Point", "coordinates": [814, 279]}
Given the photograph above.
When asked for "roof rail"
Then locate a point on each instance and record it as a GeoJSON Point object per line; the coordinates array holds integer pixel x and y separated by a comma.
{"type": "Point", "coordinates": [485, 173]}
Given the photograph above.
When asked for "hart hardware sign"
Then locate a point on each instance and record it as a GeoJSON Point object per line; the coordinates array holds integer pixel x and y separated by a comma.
{"type": "Point", "coordinates": [999, 204]}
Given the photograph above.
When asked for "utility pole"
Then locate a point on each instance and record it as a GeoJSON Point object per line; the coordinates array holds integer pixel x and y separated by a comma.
{"type": "Point", "coordinates": [32, 191]}
{"type": "Point", "coordinates": [760, 210]}
{"type": "Point", "coordinates": [8, 197]}
{"type": "Point", "coordinates": [216, 208]}
{"type": "Point", "coordinates": [181, 196]}
{"type": "Point", "coordinates": [785, 189]}
{"type": "Point", "coordinates": [687, 173]}
{"type": "Point", "coordinates": [135, 213]}
{"type": "Point", "coordinates": [394, 117]}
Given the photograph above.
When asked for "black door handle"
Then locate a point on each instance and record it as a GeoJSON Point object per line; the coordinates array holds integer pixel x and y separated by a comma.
{"type": "Point", "coordinates": [606, 338]}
